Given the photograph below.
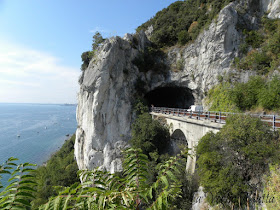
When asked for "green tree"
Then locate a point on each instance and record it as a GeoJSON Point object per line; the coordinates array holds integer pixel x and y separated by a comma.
{"type": "Point", "coordinates": [231, 163]}
{"type": "Point", "coordinates": [97, 40]}
{"type": "Point", "coordinates": [149, 134]}
{"type": "Point", "coordinates": [88, 55]}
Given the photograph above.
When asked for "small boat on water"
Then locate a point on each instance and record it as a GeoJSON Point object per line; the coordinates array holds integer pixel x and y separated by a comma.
{"type": "Point", "coordinates": [18, 135]}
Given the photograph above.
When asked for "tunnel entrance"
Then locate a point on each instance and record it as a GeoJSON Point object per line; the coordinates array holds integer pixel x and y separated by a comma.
{"type": "Point", "coordinates": [172, 97]}
{"type": "Point", "coordinates": [178, 139]}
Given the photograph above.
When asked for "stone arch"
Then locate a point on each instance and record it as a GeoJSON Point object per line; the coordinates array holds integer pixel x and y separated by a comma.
{"type": "Point", "coordinates": [177, 140]}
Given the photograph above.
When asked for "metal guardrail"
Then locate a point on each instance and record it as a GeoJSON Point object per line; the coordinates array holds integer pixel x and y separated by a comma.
{"type": "Point", "coordinates": [215, 116]}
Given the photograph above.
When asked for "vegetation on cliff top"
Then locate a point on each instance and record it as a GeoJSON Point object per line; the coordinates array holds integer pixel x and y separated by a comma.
{"type": "Point", "coordinates": [182, 21]}
{"type": "Point", "coordinates": [97, 40]}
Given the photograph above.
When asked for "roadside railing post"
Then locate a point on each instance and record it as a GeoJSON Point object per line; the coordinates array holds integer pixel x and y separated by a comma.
{"type": "Point", "coordinates": [220, 120]}
{"type": "Point", "coordinates": [274, 122]}
{"type": "Point", "coordinates": [208, 116]}
{"type": "Point", "coordinates": [191, 113]}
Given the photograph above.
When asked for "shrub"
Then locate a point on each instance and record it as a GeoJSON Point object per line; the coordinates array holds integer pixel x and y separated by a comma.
{"type": "Point", "coordinates": [86, 57]}
{"type": "Point", "coordinates": [183, 37]}
{"type": "Point", "coordinates": [231, 162]}
{"type": "Point", "coordinates": [149, 135]}
{"type": "Point", "coordinates": [220, 98]}
{"type": "Point", "coordinates": [269, 97]}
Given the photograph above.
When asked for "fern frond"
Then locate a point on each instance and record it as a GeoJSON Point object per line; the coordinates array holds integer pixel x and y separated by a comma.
{"type": "Point", "coordinates": [19, 193]}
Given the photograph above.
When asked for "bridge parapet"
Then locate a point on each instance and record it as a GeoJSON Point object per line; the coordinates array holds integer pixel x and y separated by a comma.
{"type": "Point", "coordinates": [214, 116]}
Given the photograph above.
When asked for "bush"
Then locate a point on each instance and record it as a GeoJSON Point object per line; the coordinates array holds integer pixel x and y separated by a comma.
{"type": "Point", "coordinates": [220, 98]}
{"type": "Point", "coordinates": [86, 57]}
{"type": "Point", "coordinates": [232, 162]}
{"type": "Point", "coordinates": [149, 135]}
{"type": "Point", "coordinates": [246, 96]}
{"type": "Point", "coordinates": [269, 97]}
{"type": "Point", "coordinates": [183, 37]}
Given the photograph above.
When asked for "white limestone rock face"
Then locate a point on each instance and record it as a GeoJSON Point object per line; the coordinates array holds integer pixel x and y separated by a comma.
{"type": "Point", "coordinates": [104, 104]}
{"type": "Point", "coordinates": [108, 85]}
{"type": "Point", "coordinates": [272, 7]}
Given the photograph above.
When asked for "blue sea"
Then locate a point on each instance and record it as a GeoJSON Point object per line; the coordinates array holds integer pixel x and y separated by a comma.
{"type": "Point", "coordinates": [32, 132]}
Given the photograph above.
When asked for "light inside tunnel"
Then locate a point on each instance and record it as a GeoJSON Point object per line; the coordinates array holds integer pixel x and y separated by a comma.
{"type": "Point", "coordinates": [172, 97]}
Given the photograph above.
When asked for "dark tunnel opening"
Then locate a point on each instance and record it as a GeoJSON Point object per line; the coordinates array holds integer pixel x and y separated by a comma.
{"type": "Point", "coordinates": [172, 97]}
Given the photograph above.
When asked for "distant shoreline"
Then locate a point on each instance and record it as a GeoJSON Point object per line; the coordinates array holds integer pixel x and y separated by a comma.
{"type": "Point", "coordinates": [56, 150]}
{"type": "Point", "coordinates": [62, 104]}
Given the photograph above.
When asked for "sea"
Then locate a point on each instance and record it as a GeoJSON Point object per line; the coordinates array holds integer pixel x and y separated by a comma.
{"type": "Point", "coordinates": [33, 132]}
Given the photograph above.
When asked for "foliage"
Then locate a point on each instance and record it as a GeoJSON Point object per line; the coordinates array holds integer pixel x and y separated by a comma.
{"type": "Point", "coordinates": [86, 58]}
{"type": "Point", "coordinates": [182, 21]}
{"type": "Point", "coordinates": [183, 37]}
{"type": "Point", "coordinates": [60, 170]}
{"type": "Point", "coordinates": [20, 190]}
{"type": "Point", "coordinates": [88, 55]}
{"type": "Point", "coordinates": [150, 59]}
{"type": "Point", "coordinates": [269, 96]}
{"type": "Point", "coordinates": [102, 190]}
{"type": "Point", "coordinates": [148, 134]}
{"type": "Point", "coordinates": [246, 95]}
{"type": "Point", "coordinates": [231, 163]}
{"type": "Point", "coordinates": [264, 43]}
{"type": "Point", "coordinates": [220, 98]}
{"type": "Point", "coordinates": [180, 64]}
{"type": "Point", "coordinates": [257, 92]}
{"type": "Point", "coordinates": [271, 189]}
{"type": "Point", "coordinates": [97, 40]}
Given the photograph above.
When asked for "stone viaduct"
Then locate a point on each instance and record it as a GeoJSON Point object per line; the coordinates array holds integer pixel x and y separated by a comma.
{"type": "Point", "coordinates": [187, 131]}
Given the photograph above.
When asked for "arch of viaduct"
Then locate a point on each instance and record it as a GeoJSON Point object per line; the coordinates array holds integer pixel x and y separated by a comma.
{"type": "Point", "coordinates": [192, 129]}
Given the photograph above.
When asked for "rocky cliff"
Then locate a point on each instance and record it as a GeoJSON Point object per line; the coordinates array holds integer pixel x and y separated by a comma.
{"type": "Point", "coordinates": [110, 84]}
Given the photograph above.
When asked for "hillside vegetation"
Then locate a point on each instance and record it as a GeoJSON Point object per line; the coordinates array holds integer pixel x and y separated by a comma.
{"type": "Point", "coordinates": [260, 50]}
{"type": "Point", "coordinates": [257, 93]}
{"type": "Point", "coordinates": [182, 21]}
{"type": "Point", "coordinates": [60, 170]}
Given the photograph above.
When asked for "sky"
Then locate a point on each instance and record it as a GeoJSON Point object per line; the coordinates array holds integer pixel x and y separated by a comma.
{"type": "Point", "coordinates": [41, 42]}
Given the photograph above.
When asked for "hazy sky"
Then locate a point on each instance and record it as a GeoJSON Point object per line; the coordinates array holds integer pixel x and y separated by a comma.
{"type": "Point", "coordinates": [41, 42]}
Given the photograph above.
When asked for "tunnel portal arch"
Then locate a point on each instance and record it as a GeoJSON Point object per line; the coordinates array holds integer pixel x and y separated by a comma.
{"type": "Point", "coordinates": [172, 97]}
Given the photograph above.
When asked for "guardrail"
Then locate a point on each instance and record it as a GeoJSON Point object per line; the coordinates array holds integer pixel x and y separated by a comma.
{"type": "Point", "coordinates": [215, 116]}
